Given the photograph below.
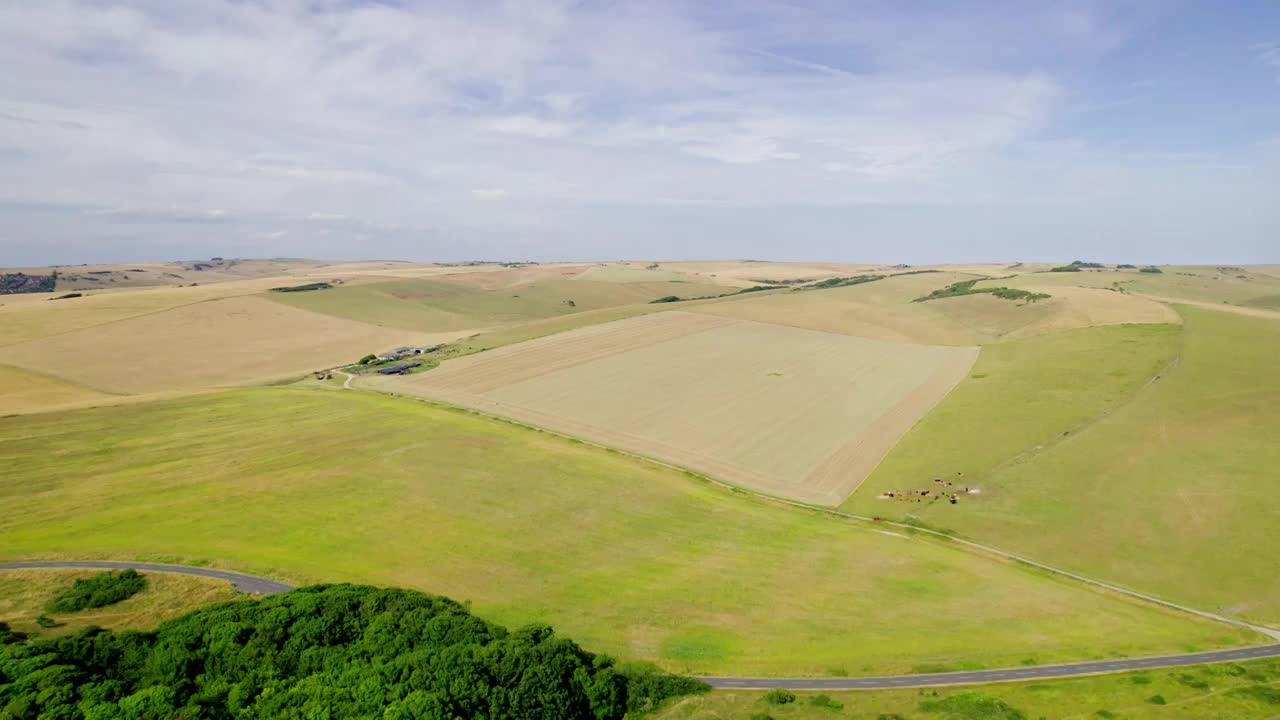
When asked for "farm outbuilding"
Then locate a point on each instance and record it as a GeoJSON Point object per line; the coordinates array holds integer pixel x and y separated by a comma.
{"type": "Point", "coordinates": [396, 353]}
{"type": "Point", "coordinates": [407, 350]}
{"type": "Point", "coordinates": [398, 369]}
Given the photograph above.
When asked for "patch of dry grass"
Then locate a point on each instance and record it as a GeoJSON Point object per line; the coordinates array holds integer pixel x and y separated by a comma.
{"type": "Point", "coordinates": [23, 594]}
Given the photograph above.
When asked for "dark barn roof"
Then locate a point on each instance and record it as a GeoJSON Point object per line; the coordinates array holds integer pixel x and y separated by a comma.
{"type": "Point", "coordinates": [398, 369]}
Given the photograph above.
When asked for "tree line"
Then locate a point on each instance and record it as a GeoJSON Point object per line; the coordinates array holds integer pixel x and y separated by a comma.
{"type": "Point", "coordinates": [328, 651]}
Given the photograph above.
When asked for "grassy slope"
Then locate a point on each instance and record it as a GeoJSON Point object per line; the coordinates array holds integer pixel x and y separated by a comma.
{"type": "Point", "coordinates": [25, 391]}
{"type": "Point", "coordinates": [1174, 493]}
{"type": "Point", "coordinates": [1020, 394]}
{"type": "Point", "coordinates": [231, 341]}
{"type": "Point", "coordinates": [440, 305]}
{"type": "Point", "coordinates": [625, 556]}
{"type": "Point", "coordinates": [23, 594]}
{"type": "Point", "coordinates": [1188, 283]}
{"type": "Point", "coordinates": [1242, 691]}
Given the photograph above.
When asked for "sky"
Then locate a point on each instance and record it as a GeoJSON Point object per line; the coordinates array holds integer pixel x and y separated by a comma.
{"type": "Point", "coordinates": [918, 132]}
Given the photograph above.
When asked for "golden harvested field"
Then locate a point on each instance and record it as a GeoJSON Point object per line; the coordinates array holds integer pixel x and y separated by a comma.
{"type": "Point", "coordinates": [884, 309]}
{"type": "Point", "coordinates": [991, 318]}
{"type": "Point", "coordinates": [744, 273]}
{"type": "Point", "coordinates": [781, 410]}
{"type": "Point", "coordinates": [632, 272]}
{"type": "Point", "coordinates": [224, 342]}
{"type": "Point", "coordinates": [37, 315]}
{"type": "Point", "coordinates": [488, 300]}
{"type": "Point", "coordinates": [22, 391]}
{"type": "Point", "coordinates": [881, 309]}
{"type": "Point", "coordinates": [1236, 286]}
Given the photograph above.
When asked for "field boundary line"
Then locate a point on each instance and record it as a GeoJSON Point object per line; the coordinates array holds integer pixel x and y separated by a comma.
{"type": "Point", "coordinates": [979, 547]}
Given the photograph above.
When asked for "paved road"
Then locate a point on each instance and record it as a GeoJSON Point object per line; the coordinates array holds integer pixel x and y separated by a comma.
{"type": "Point", "coordinates": [243, 583]}
{"type": "Point", "coordinates": [1042, 672]}
{"type": "Point", "coordinates": [263, 586]}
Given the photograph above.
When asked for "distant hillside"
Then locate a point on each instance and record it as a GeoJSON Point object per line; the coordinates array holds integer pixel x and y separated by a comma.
{"type": "Point", "coordinates": [13, 283]}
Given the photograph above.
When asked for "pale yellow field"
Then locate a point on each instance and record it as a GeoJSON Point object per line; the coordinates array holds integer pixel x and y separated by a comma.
{"type": "Point", "coordinates": [225, 342]}
{"type": "Point", "coordinates": [743, 274]}
{"type": "Point", "coordinates": [22, 391]}
{"type": "Point", "coordinates": [37, 315]}
{"type": "Point", "coordinates": [634, 272]}
{"type": "Point", "coordinates": [884, 309]}
{"type": "Point", "coordinates": [782, 410]}
{"type": "Point", "coordinates": [990, 318]}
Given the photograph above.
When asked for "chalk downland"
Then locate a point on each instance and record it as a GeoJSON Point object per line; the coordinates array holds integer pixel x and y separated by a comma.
{"type": "Point", "coordinates": [786, 411]}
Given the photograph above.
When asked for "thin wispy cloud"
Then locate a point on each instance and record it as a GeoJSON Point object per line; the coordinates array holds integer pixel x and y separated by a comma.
{"type": "Point", "coordinates": [599, 126]}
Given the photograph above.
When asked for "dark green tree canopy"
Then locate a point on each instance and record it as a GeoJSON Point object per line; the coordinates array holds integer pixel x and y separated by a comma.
{"type": "Point", "coordinates": [329, 651]}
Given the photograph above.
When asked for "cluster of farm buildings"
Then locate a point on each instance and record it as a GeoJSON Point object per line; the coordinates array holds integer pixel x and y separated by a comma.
{"type": "Point", "coordinates": [406, 351]}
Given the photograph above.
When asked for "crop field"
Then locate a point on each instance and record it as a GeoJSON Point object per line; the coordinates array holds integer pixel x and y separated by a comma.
{"type": "Point", "coordinates": [1173, 491]}
{"type": "Point", "coordinates": [205, 344]}
{"type": "Point", "coordinates": [1243, 691]}
{"type": "Point", "coordinates": [1200, 284]}
{"type": "Point", "coordinates": [632, 272]}
{"type": "Point", "coordinates": [30, 317]}
{"type": "Point", "coordinates": [786, 411]}
{"type": "Point", "coordinates": [624, 556]}
{"type": "Point", "coordinates": [443, 304]}
{"type": "Point", "coordinates": [884, 309]}
{"type": "Point", "coordinates": [23, 594]}
{"type": "Point", "coordinates": [23, 391]}
{"type": "Point", "coordinates": [743, 273]}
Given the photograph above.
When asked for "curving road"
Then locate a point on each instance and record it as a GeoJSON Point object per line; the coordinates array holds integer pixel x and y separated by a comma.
{"type": "Point", "coordinates": [263, 586]}
{"type": "Point", "coordinates": [974, 677]}
{"type": "Point", "coordinates": [243, 583]}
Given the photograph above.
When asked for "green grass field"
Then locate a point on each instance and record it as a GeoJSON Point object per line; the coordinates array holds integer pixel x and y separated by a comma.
{"type": "Point", "coordinates": [1173, 493]}
{"type": "Point", "coordinates": [1020, 394]}
{"type": "Point", "coordinates": [1244, 691]}
{"type": "Point", "coordinates": [23, 594]}
{"type": "Point", "coordinates": [622, 555]}
{"type": "Point", "coordinates": [443, 305]}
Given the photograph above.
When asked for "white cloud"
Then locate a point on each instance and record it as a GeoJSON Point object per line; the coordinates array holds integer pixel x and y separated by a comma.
{"type": "Point", "coordinates": [392, 116]}
{"type": "Point", "coordinates": [1269, 55]}
{"type": "Point", "coordinates": [531, 127]}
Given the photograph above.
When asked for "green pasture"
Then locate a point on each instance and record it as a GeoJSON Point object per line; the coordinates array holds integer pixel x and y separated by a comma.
{"type": "Point", "coordinates": [1020, 395]}
{"type": "Point", "coordinates": [624, 556]}
{"type": "Point", "coordinates": [1174, 492]}
{"type": "Point", "coordinates": [1243, 691]}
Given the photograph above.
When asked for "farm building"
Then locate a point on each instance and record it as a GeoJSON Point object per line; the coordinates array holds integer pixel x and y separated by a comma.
{"type": "Point", "coordinates": [396, 353]}
{"type": "Point", "coordinates": [406, 350]}
{"type": "Point", "coordinates": [398, 369]}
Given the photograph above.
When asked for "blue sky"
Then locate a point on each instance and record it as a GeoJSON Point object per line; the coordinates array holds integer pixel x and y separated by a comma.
{"type": "Point", "coordinates": [856, 131]}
